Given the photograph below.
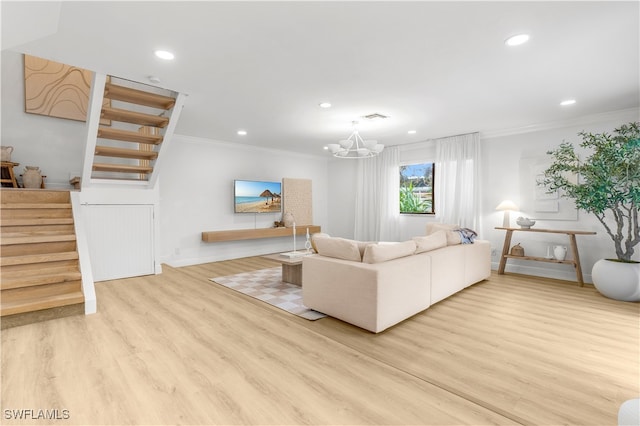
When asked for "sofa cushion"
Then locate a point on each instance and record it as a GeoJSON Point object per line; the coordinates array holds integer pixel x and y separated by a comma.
{"type": "Point", "coordinates": [339, 248]}
{"type": "Point", "coordinates": [431, 242]}
{"type": "Point", "coordinates": [362, 245]}
{"type": "Point", "coordinates": [314, 237]}
{"type": "Point", "coordinates": [376, 253]}
{"type": "Point", "coordinates": [453, 236]}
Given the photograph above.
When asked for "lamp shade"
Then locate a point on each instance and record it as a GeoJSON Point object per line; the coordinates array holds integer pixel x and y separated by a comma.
{"type": "Point", "coordinates": [333, 147]}
{"type": "Point", "coordinates": [346, 143]}
{"type": "Point", "coordinates": [507, 205]}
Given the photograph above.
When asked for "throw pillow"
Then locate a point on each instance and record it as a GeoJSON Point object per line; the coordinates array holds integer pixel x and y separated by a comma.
{"type": "Point", "coordinates": [313, 239]}
{"type": "Point", "coordinates": [376, 253]}
{"type": "Point", "coordinates": [431, 242]}
{"type": "Point", "coordinates": [339, 248]}
{"type": "Point", "coordinates": [453, 236]}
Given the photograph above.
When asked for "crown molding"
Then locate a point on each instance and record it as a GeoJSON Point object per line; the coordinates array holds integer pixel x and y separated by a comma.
{"type": "Point", "coordinates": [630, 114]}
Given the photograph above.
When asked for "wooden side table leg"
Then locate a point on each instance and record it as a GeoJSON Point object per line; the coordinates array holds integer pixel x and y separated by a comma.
{"type": "Point", "coordinates": [505, 251]}
{"type": "Point", "coordinates": [576, 259]}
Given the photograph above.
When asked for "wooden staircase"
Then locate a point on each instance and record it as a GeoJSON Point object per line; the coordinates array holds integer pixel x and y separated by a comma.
{"type": "Point", "coordinates": [40, 275]}
{"type": "Point", "coordinates": [140, 119]}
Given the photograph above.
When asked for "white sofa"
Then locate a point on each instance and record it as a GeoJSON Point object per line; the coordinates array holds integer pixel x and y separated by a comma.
{"type": "Point", "coordinates": [375, 286]}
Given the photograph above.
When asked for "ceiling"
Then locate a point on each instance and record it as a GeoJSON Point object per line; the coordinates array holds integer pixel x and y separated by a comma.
{"type": "Point", "coordinates": [439, 68]}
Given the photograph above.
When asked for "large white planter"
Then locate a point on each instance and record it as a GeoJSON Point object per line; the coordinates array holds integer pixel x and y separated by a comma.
{"type": "Point", "coordinates": [617, 280]}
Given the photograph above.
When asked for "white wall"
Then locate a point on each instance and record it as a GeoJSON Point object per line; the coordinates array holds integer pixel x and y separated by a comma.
{"type": "Point", "coordinates": [500, 171]}
{"type": "Point", "coordinates": [55, 145]}
{"type": "Point", "coordinates": [501, 179]}
{"type": "Point", "coordinates": [196, 195]}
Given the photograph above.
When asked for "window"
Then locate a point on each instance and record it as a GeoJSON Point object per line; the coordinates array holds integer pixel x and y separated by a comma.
{"type": "Point", "coordinates": [416, 188]}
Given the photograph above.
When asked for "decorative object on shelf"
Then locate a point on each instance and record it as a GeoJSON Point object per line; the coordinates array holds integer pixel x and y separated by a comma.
{"type": "Point", "coordinates": [517, 250]}
{"type": "Point", "coordinates": [525, 222]}
{"type": "Point", "coordinates": [6, 153]}
{"type": "Point", "coordinates": [607, 188]}
{"type": "Point", "coordinates": [288, 219]}
{"type": "Point", "coordinates": [549, 252]}
{"type": "Point", "coordinates": [278, 224]}
{"type": "Point", "coordinates": [75, 182]}
{"type": "Point", "coordinates": [307, 243]}
{"type": "Point", "coordinates": [560, 252]}
{"type": "Point", "coordinates": [355, 147]}
{"type": "Point", "coordinates": [506, 206]}
{"type": "Point", "coordinates": [32, 178]}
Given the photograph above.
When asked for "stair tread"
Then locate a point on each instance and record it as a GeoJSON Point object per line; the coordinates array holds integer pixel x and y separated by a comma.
{"type": "Point", "coordinates": [38, 303]}
{"type": "Point", "coordinates": [9, 239]}
{"type": "Point", "coordinates": [43, 196]}
{"type": "Point", "coordinates": [38, 258]}
{"type": "Point", "coordinates": [14, 280]}
{"type": "Point", "coordinates": [134, 117]}
{"type": "Point", "coordinates": [124, 168]}
{"type": "Point", "coordinates": [128, 136]}
{"type": "Point", "coordinates": [37, 221]}
{"type": "Point", "coordinates": [109, 151]}
{"type": "Point", "coordinates": [140, 97]}
{"type": "Point", "coordinates": [35, 205]}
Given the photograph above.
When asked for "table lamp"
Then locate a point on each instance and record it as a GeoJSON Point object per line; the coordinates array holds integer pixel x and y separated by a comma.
{"type": "Point", "coordinates": [506, 206]}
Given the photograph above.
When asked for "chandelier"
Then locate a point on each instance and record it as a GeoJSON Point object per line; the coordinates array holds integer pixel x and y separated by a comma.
{"type": "Point", "coordinates": [355, 147]}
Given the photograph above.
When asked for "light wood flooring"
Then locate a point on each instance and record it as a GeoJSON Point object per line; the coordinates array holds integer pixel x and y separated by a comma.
{"type": "Point", "coordinates": [177, 349]}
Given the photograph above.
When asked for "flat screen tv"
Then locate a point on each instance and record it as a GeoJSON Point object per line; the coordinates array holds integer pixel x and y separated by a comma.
{"type": "Point", "coordinates": [254, 196]}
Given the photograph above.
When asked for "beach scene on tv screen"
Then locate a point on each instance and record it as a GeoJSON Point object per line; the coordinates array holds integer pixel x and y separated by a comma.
{"type": "Point", "coordinates": [257, 196]}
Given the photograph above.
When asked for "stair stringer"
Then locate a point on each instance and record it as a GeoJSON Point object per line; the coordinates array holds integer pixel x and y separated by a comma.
{"type": "Point", "coordinates": [88, 287]}
{"type": "Point", "coordinates": [168, 136]}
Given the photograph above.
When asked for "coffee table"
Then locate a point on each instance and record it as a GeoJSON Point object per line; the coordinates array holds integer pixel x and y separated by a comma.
{"type": "Point", "coordinates": [291, 267]}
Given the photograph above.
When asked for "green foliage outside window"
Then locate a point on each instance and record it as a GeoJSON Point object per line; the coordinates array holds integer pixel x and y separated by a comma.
{"type": "Point", "coordinates": [416, 188]}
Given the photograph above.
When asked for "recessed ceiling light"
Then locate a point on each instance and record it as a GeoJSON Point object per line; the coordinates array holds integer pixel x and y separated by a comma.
{"type": "Point", "coordinates": [242, 132]}
{"type": "Point", "coordinates": [325, 105]}
{"type": "Point", "coordinates": [164, 54]}
{"type": "Point", "coordinates": [326, 147]}
{"type": "Point", "coordinates": [568, 102]}
{"type": "Point", "coordinates": [517, 40]}
{"type": "Point", "coordinates": [412, 132]}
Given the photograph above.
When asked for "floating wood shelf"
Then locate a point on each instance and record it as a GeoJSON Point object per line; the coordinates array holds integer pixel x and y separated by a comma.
{"type": "Point", "coordinates": [140, 97]}
{"type": "Point", "coordinates": [254, 234]}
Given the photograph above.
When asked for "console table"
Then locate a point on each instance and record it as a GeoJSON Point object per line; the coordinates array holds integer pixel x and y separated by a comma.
{"type": "Point", "coordinates": [572, 239]}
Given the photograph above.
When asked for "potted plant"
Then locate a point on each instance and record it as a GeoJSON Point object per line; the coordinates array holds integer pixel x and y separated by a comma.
{"type": "Point", "coordinates": [608, 186]}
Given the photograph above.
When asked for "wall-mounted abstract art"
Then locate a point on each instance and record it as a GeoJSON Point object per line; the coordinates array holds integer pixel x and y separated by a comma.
{"type": "Point", "coordinates": [535, 201]}
{"type": "Point", "coordinates": [56, 89]}
{"type": "Point", "coordinates": [297, 197]}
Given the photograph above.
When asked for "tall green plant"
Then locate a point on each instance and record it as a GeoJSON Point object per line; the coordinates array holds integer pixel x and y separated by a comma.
{"type": "Point", "coordinates": [608, 181]}
{"type": "Point", "coordinates": [410, 202]}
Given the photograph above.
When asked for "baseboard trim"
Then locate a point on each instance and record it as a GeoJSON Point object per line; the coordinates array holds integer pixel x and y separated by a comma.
{"type": "Point", "coordinates": [568, 275]}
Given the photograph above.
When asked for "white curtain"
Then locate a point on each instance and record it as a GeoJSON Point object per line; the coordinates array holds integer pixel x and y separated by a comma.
{"type": "Point", "coordinates": [378, 197]}
{"type": "Point", "coordinates": [457, 180]}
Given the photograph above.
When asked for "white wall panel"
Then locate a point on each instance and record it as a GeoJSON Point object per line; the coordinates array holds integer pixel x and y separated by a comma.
{"type": "Point", "coordinates": [120, 240]}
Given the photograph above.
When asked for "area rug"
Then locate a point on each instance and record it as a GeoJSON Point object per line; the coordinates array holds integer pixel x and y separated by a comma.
{"type": "Point", "coordinates": [267, 285]}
